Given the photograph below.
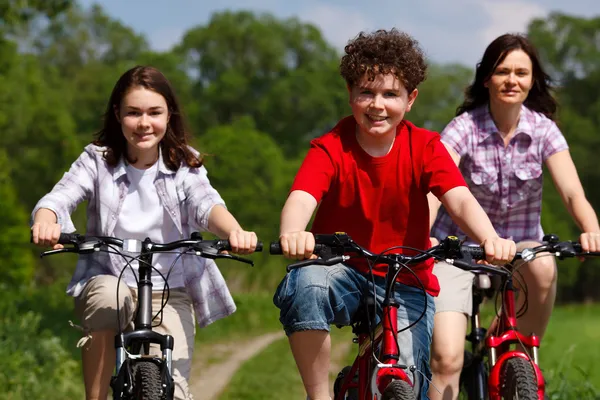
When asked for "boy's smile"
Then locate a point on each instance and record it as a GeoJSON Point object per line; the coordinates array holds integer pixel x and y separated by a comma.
{"type": "Point", "coordinates": [378, 107]}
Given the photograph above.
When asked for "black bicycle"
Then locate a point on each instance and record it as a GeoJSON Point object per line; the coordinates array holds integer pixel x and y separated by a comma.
{"type": "Point", "coordinates": [138, 374]}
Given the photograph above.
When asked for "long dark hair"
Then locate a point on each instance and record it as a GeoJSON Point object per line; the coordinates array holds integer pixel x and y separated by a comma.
{"type": "Point", "coordinates": [174, 145]}
{"type": "Point", "coordinates": [540, 98]}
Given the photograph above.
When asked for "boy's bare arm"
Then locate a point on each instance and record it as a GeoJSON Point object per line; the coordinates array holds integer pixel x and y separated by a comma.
{"type": "Point", "coordinates": [297, 211]}
{"type": "Point", "coordinates": [467, 213]}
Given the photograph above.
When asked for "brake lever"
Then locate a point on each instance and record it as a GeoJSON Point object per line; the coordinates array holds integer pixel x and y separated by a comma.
{"type": "Point", "coordinates": [57, 251]}
{"type": "Point", "coordinates": [317, 261]}
{"type": "Point", "coordinates": [213, 254]}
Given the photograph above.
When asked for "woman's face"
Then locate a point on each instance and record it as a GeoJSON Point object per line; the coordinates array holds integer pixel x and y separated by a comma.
{"type": "Point", "coordinates": [512, 79]}
{"type": "Point", "coordinates": [144, 116]}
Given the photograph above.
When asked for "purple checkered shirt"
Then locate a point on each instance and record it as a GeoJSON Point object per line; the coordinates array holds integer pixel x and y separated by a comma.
{"type": "Point", "coordinates": [188, 198]}
{"type": "Point", "coordinates": [507, 182]}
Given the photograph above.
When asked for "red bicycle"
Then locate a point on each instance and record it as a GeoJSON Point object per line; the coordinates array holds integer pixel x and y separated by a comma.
{"type": "Point", "coordinates": [510, 373]}
{"type": "Point", "coordinates": [376, 373]}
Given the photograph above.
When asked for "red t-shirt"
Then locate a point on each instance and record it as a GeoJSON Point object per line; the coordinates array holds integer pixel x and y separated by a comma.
{"type": "Point", "coordinates": [379, 201]}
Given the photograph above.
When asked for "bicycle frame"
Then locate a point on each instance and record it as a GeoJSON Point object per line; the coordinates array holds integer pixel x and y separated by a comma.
{"type": "Point", "coordinates": [496, 347]}
{"type": "Point", "coordinates": [142, 335]}
{"type": "Point", "coordinates": [374, 378]}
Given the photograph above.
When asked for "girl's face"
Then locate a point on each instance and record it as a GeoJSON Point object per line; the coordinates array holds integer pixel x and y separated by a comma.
{"type": "Point", "coordinates": [512, 79]}
{"type": "Point", "coordinates": [144, 116]}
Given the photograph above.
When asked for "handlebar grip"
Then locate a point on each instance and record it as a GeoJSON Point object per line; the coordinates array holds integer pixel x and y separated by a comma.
{"type": "Point", "coordinates": [68, 238]}
{"type": "Point", "coordinates": [475, 252]}
{"type": "Point", "coordinates": [225, 245]}
{"type": "Point", "coordinates": [275, 248]}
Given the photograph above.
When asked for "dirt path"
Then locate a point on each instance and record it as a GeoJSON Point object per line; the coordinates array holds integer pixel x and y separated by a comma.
{"type": "Point", "coordinates": [210, 376]}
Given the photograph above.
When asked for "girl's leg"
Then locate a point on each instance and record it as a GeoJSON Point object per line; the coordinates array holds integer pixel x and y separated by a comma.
{"type": "Point", "coordinates": [97, 309]}
{"type": "Point", "coordinates": [178, 321]}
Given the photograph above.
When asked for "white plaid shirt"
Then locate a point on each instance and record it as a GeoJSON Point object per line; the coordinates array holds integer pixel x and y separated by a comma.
{"type": "Point", "coordinates": [186, 195]}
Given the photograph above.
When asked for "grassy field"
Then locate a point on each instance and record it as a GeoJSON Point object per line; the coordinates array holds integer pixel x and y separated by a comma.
{"type": "Point", "coordinates": [570, 358]}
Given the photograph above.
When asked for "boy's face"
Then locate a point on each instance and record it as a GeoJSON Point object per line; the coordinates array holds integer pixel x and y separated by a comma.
{"type": "Point", "coordinates": [379, 105]}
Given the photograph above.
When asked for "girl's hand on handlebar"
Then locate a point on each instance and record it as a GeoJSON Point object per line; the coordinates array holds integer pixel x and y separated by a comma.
{"type": "Point", "coordinates": [499, 251]}
{"type": "Point", "coordinates": [297, 245]}
{"type": "Point", "coordinates": [242, 242]}
{"type": "Point", "coordinates": [46, 234]}
{"type": "Point", "coordinates": [590, 241]}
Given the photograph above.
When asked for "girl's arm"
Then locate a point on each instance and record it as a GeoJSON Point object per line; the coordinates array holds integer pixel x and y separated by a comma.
{"type": "Point", "coordinates": [52, 214]}
{"type": "Point", "coordinates": [223, 224]}
{"type": "Point", "coordinates": [565, 177]}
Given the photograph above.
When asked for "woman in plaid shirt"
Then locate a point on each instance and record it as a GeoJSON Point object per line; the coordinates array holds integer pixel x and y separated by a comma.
{"type": "Point", "coordinates": [141, 179]}
{"type": "Point", "coordinates": [503, 134]}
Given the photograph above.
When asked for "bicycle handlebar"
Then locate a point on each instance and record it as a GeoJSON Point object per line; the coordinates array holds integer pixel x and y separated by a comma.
{"type": "Point", "coordinates": [332, 249]}
{"type": "Point", "coordinates": [81, 244]}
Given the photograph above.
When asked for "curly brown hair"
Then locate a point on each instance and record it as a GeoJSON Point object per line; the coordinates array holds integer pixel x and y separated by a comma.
{"type": "Point", "coordinates": [174, 145]}
{"type": "Point", "coordinates": [384, 52]}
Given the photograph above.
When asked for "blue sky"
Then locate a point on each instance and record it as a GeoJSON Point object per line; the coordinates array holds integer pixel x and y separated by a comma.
{"type": "Point", "coordinates": [449, 30]}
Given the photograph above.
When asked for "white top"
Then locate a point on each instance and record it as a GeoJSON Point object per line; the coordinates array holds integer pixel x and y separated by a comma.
{"type": "Point", "coordinates": [142, 216]}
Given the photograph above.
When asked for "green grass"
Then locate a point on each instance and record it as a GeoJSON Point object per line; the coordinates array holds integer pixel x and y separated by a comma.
{"type": "Point", "coordinates": [254, 316]}
{"type": "Point", "coordinates": [271, 374]}
{"type": "Point", "coordinates": [570, 352]}
{"type": "Point", "coordinates": [570, 359]}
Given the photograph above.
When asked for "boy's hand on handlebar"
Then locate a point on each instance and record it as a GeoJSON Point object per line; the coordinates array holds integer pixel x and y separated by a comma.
{"type": "Point", "coordinates": [46, 234]}
{"type": "Point", "coordinates": [590, 241]}
{"type": "Point", "coordinates": [298, 245]}
{"type": "Point", "coordinates": [242, 242]}
{"type": "Point", "coordinates": [499, 251]}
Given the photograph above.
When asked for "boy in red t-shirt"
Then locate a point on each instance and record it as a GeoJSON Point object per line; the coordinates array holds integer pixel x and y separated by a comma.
{"type": "Point", "coordinates": [370, 177]}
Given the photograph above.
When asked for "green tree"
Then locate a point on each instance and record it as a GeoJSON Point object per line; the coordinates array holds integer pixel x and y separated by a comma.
{"type": "Point", "coordinates": [282, 73]}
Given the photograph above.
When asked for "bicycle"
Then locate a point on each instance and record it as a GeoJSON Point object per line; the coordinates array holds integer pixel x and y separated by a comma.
{"type": "Point", "coordinates": [140, 375]}
{"type": "Point", "coordinates": [507, 373]}
{"type": "Point", "coordinates": [375, 373]}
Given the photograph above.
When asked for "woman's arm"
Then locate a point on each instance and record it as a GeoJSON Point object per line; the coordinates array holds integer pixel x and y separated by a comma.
{"type": "Point", "coordinates": [434, 202]}
{"type": "Point", "coordinates": [566, 180]}
{"type": "Point", "coordinates": [467, 213]}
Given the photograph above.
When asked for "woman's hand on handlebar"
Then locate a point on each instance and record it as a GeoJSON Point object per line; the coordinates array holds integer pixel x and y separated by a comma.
{"type": "Point", "coordinates": [242, 242]}
{"type": "Point", "coordinates": [499, 251]}
{"type": "Point", "coordinates": [590, 241]}
{"type": "Point", "coordinates": [298, 245]}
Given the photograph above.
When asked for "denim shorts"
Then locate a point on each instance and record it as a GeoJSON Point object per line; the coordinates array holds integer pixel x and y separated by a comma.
{"type": "Point", "coordinates": [315, 297]}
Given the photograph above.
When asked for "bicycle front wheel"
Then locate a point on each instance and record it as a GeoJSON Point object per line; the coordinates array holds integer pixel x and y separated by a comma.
{"type": "Point", "coordinates": [399, 390]}
{"type": "Point", "coordinates": [519, 381]}
{"type": "Point", "coordinates": [147, 384]}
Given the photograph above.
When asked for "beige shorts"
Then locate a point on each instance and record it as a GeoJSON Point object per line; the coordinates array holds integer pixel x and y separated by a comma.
{"type": "Point", "coordinates": [96, 308]}
{"type": "Point", "coordinates": [456, 288]}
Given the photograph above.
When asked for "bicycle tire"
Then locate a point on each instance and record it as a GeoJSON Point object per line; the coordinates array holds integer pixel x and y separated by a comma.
{"type": "Point", "coordinates": [147, 383]}
{"type": "Point", "coordinates": [473, 377]}
{"type": "Point", "coordinates": [398, 390]}
{"type": "Point", "coordinates": [351, 394]}
{"type": "Point", "coordinates": [518, 380]}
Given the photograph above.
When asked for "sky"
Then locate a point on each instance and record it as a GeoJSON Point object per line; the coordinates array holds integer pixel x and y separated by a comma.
{"type": "Point", "coordinates": [450, 31]}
